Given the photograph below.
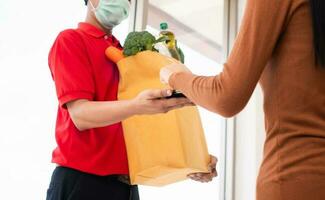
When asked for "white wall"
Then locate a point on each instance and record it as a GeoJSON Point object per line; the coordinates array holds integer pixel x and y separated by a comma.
{"type": "Point", "coordinates": [27, 98]}
{"type": "Point", "coordinates": [249, 139]}
{"type": "Point", "coordinates": [248, 147]}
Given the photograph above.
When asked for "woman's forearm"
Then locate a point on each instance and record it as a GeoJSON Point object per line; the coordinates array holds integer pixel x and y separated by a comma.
{"type": "Point", "coordinates": [214, 93]}
{"type": "Point", "coordinates": [94, 114]}
{"type": "Point", "coordinates": [228, 93]}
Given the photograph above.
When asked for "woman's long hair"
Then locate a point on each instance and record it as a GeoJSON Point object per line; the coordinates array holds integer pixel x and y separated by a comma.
{"type": "Point", "coordinates": [318, 18]}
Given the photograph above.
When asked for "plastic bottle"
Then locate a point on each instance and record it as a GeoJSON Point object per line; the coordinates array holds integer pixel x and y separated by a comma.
{"type": "Point", "coordinates": [162, 48]}
{"type": "Point", "coordinates": [171, 42]}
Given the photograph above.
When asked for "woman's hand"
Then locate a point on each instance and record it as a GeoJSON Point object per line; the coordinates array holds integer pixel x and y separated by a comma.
{"type": "Point", "coordinates": [154, 102]}
{"type": "Point", "coordinates": [167, 71]}
{"type": "Point", "coordinates": [206, 177]}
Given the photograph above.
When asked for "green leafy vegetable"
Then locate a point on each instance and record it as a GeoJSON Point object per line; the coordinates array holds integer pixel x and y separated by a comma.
{"type": "Point", "coordinates": [140, 41]}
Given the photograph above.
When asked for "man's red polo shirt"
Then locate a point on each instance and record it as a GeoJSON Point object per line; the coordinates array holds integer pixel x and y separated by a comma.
{"type": "Point", "coordinates": [80, 70]}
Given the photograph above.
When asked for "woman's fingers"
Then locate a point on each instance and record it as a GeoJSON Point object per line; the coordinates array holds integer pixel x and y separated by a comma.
{"type": "Point", "coordinates": [167, 71]}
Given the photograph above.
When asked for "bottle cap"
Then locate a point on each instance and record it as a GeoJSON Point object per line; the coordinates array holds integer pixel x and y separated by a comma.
{"type": "Point", "coordinates": [163, 26]}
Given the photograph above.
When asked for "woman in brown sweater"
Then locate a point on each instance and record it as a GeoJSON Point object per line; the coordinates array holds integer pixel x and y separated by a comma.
{"type": "Point", "coordinates": [281, 45]}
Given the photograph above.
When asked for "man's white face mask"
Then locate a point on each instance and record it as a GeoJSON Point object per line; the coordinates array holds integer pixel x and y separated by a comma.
{"type": "Point", "coordinates": [111, 13]}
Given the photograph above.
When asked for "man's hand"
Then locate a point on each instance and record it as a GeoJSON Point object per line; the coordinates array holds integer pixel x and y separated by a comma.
{"type": "Point", "coordinates": [167, 71]}
{"type": "Point", "coordinates": [154, 102]}
{"type": "Point", "coordinates": [87, 114]}
{"type": "Point", "coordinates": [206, 177]}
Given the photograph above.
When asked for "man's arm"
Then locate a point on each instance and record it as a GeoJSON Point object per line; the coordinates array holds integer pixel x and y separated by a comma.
{"type": "Point", "coordinates": [87, 114]}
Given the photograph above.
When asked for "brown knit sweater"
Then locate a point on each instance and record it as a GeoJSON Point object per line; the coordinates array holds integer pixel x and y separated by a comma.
{"type": "Point", "coordinates": [275, 48]}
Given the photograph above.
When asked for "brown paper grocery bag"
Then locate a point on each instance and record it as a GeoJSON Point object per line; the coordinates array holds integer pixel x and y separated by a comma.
{"type": "Point", "coordinates": [164, 148]}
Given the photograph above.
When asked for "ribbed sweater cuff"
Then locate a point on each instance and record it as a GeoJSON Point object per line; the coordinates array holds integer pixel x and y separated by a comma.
{"type": "Point", "coordinates": [181, 80]}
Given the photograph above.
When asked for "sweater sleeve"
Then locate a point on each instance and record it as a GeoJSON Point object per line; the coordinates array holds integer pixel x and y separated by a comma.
{"type": "Point", "coordinates": [228, 93]}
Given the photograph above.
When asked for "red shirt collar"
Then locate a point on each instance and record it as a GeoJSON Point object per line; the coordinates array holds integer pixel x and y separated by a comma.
{"type": "Point", "coordinates": [97, 33]}
{"type": "Point", "coordinates": [91, 30]}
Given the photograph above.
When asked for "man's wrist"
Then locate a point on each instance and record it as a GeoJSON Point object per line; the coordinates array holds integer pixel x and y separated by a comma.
{"type": "Point", "coordinates": [133, 107]}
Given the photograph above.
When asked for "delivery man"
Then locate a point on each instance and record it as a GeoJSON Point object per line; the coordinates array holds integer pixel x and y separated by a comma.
{"type": "Point", "coordinates": [91, 155]}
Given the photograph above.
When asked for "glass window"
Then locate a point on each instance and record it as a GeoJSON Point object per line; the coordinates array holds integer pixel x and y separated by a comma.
{"type": "Point", "coordinates": [197, 25]}
{"type": "Point", "coordinates": [198, 28]}
{"type": "Point", "coordinates": [121, 31]}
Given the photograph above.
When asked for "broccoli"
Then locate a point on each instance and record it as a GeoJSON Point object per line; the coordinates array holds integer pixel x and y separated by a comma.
{"type": "Point", "coordinates": [140, 41]}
